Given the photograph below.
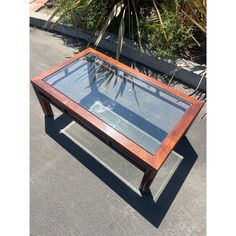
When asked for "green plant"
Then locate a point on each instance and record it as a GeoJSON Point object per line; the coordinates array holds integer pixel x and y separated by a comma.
{"type": "Point", "coordinates": [123, 9]}
{"type": "Point", "coordinates": [171, 40]}
{"type": "Point", "coordinates": [167, 26]}
{"type": "Point", "coordinates": [195, 12]}
{"type": "Point", "coordinates": [192, 13]}
{"type": "Point", "coordinates": [83, 14]}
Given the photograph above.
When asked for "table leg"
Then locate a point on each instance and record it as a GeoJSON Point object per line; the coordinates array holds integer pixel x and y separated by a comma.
{"type": "Point", "coordinates": [46, 107]}
{"type": "Point", "coordinates": [148, 177]}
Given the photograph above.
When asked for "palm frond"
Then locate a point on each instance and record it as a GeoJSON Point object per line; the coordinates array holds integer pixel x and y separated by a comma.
{"type": "Point", "coordinates": [198, 24]}
{"type": "Point", "coordinates": [98, 22]}
{"type": "Point", "coordinates": [115, 12]}
{"type": "Point", "coordinates": [65, 10]}
{"type": "Point", "coordinates": [137, 23]}
{"type": "Point", "coordinates": [121, 35]}
{"type": "Point", "coordinates": [160, 19]}
{"type": "Point", "coordinates": [51, 17]}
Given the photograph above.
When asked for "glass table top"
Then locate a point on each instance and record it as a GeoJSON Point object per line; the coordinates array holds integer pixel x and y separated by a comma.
{"type": "Point", "coordinates": [139, 110]}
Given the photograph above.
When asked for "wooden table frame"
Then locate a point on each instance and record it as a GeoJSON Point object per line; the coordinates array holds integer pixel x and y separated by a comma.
{"type": "Point", "coordinates": [144, 160]}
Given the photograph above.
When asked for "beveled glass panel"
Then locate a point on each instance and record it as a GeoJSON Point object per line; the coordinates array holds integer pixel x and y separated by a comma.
{"type": "Point", "coordinates": [142, 112]}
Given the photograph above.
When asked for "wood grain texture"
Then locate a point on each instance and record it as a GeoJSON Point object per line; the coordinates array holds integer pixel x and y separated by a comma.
{"type": "Point", "coordinates": [136, 152]}
{"type": "Point", "coordinates": [46, 107]}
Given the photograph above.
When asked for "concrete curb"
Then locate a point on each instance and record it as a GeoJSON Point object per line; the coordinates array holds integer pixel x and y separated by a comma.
{"type": "Point", "coordinates": [188, 72]}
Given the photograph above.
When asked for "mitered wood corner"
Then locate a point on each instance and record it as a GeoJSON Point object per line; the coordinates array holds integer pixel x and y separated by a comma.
{"type": "Point", "coordinates": [120, 142]}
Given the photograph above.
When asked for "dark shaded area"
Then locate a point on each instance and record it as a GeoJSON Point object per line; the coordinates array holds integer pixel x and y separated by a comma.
{"type": "Point", "coordinates": [153, 212]}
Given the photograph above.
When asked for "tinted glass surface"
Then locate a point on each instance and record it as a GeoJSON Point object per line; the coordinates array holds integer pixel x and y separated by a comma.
{"type": "Point", "coordinates": [142, 112]}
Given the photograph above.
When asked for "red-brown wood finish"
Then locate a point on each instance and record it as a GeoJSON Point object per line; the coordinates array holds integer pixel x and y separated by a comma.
{"type": "Point", "coordinates": [151, 163]}
{"type": "Point", "coordinates": [46, 107]}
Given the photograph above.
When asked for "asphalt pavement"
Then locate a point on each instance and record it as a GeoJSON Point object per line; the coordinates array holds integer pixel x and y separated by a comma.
{"type": "Point", "coordinates": [71, 193]}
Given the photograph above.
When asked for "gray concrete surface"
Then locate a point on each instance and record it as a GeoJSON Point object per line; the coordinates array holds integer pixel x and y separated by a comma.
{"type": "Point", "coordinates": [72, 194]}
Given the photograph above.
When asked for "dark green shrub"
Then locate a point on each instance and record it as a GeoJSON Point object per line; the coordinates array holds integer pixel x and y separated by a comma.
{"type": "Point", "coordinates": [177, 37]}
{"type": "Point", "coordinates": [167, 27]}
{"type": "Point", "coordinates": [85, 17]}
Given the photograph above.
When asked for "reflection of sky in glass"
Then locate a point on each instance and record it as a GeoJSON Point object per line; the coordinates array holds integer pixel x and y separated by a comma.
{"type": "Point", "coordinates": [142, 112]}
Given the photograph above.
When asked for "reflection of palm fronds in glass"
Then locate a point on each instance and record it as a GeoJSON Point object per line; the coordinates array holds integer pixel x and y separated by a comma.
{"type": "Point", "coordinates": [99, 69]}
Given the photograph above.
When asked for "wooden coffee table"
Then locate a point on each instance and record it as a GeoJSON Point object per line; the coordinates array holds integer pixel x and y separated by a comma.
{"type": "Point", "coordinates": [136, 115]}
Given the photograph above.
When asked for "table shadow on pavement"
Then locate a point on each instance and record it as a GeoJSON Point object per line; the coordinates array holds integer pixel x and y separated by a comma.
{"type": "Point", "coordinates": [151, 210]}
